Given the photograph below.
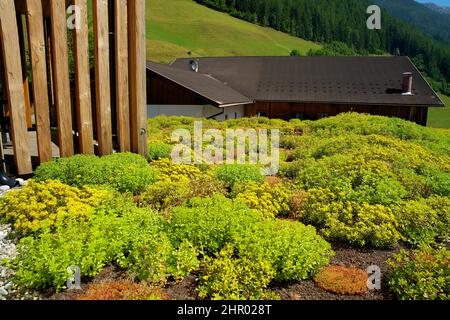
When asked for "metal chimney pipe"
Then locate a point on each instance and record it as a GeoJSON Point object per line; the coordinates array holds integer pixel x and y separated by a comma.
{"type": "Point", "coordinates": [194, 65]}
{"type": "Point", "coordinates": [407, 84]}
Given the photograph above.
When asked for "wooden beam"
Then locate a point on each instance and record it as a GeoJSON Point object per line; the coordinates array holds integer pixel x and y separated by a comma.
{"type": "Point", "coordinates": [49, 59]}
{"type": "Point", "coordinates": [102, 76]}
{"type": "Point", "coordinates": [23, 56]}
{"type": "Point", "coordinates": [14, 86]}
{"type": "Point", "coordinates": [2, 74]}
{"type": "Point", "coordinates": [60, 63]}
{"type": "Point", "coordinates": [122, 83]}
{"type": "Point", "coordinates": [2, 97]}
{"type": "Point", "coordinates": [137, 62]}
{"type": "Point", "coordinates": [83, 83]}
{"type": "Point", "coordinates": [36, 40]}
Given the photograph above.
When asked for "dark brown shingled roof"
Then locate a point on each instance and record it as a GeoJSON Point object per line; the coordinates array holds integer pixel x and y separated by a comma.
{"type": "Point", "coordinates": [211, 89]}
{"type": "Point", "coordinates": [348, 80]}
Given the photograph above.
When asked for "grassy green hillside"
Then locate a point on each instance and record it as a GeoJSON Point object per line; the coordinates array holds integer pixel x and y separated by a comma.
{"type": "Point", "coordinates": [440, 117]}
{"type": "Point", "coordinates": [176, 27]}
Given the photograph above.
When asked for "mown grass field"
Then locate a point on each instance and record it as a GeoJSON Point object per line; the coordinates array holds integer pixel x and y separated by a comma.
{"type": "Point", "coordinates": [440, 117]}
{"type": "Point", "coordinates": [176, 27]}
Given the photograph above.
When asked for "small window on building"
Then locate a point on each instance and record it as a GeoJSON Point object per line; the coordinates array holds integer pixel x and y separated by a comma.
{"type": "Point", "coordinates": [226, 117]}
{"type": "Point", "coordinates": [262, 114]}
{"type": "Point", "coordinates": [235, 115]}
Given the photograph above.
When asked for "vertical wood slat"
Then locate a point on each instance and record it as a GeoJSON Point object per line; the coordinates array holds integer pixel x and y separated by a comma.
{"type": "Point", "coordinates": [2, 73]}
{"type": "Point", "coordinates": [36, 40]}
{"type": "Point", "coordinates": [2, 96]}
{"type": "Point", "coordinates": [14, 86]}
{"type": "Point", "coordinates": [82, 79]}
{"type": "Point", "coordinates": [137, 61]}
{"type": "Point", "coordinates": [23, 57]}
{"type": "Point", "coordinates": [60, 61]}
{"type": "Point", "coordinates": [102, 76]}
{"type": "Point", "coordinates": [122, 83]}
{"type": "Point", "coordinates": [48, 57]}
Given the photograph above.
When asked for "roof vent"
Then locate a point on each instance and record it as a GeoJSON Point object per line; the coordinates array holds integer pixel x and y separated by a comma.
{"type": "Point", "coordinates": [407, 84]}
{"type": "Point", "coordinates": [194, 65]}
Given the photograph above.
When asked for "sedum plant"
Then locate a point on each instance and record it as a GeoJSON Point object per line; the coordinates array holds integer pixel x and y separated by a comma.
{"type": "Point", "coordinates": [159, 150]}
{"type": "Point", "coordinates": [424, 221]}
{"type": "Point", "coordinates": [232, 174]}
{"type": "Point", "coordinates": [422, 274]}
{"type": "Point", "coordinates": [135, 241]}
{"type": "Point", "coordinates": [124, 172]}
{"type": "Point", "coordinates": [359, 224]}
{"type": "Point", "coordinates": [226, 277]}
{"type": "Point", "coordinates": [41, 205]}
{"type": "Point", "coordinates": [243, 240]}
{"type": "Point", "coordinates": [269, 200]}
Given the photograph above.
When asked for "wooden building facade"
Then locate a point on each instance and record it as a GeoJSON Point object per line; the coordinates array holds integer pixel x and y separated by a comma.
{"type": "Point", "coordinates": [314, 111]}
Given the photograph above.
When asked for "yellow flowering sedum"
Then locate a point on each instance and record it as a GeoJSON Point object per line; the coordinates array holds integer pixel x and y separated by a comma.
{"type": "Point", "coordinates": [360, 224]}
{"type": "Point", "coordinates": [175, 172]}
{"type": "Point", "coordinates": [271, 201]}
{"type": "Point", "coordinates": [40, 205]}
{"type": "Point", "coordinates": [177, 184]}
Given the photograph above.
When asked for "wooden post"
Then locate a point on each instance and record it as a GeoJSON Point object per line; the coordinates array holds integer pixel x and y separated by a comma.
{"type": "Point", "coordinates": [36, 40]}
{"type": "Point", "coordinates": [61, 77]}
{"type": "Point", "coordinates": [82, 79]}
{"type": "Point", "coordinates": [49, 59]}
{"type": "Point", "coordinates": [138, 114]}
{"type": "Point", "coordinates": [2, 92]}
{"type": "Point", "coordinates": [14, 86]}
{"type": "Point", "coordinates": [23, 57]}
{"type": "Point", "coordinates": [102, 76]}
{"type": "Point", "coordinates": [2, 71]}
{"type": "Point", "coordinates": [122, 83]}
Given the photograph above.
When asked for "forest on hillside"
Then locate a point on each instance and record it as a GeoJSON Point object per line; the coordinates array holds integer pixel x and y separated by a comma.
{"type": "Point", "coordinates": [431, 22]}
{"type": "Point", "coordinates": [327, 21]}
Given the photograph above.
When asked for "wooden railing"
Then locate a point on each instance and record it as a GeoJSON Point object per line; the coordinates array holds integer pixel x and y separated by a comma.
{"type": "Point", "coordinates": [100, 118]}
